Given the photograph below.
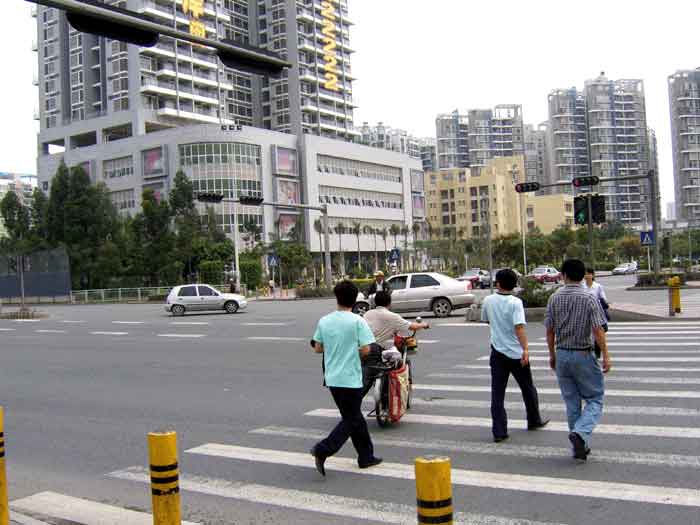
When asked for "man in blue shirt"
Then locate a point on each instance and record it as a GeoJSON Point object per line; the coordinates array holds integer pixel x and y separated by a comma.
{"type": "Point", "coordinates": [342, 337]}
{"type": "Point", "coordinates": [509, 354]}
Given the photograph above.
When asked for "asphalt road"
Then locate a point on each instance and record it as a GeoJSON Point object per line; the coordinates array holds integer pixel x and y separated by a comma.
{"type": "Point", "coordinates": [82, 389]}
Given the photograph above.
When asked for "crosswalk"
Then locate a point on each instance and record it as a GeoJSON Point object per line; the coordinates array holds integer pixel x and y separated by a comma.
{"type": "Point", "coordinates": [644, 469]}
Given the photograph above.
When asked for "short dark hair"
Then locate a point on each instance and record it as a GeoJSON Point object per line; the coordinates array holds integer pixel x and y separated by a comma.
{"type": "Point", "coordinates": [507, 279]}
{"type": "Point", "coordinates": [590, 270]}
{"type": "Point", "coordinates": [382, 298]}
{"type": "Point", "coordinates": [346, 293]}
{"type": "Point", "coordinates": [574, 269]}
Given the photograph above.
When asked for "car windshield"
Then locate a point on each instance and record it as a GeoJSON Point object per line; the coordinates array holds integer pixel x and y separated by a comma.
{"type": "Point", "coordinates": [542, 270]}
{"type": "Point", "coordinates": [470, 274]}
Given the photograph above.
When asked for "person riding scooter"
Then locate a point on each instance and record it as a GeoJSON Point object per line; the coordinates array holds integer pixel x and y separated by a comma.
{"type": "Point", "coordinates": [385, 324]}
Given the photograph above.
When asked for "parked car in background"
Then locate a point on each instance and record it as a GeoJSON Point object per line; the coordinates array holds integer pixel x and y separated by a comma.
{"type": "Point", "coordinates": [422, 292]}
{"type": "Point", "coordinates": [545, 274]}
{"type": "Point", "coordinates": [201, 297]}
{"type": "Point", "coordinates": [478, 277]}
{"type": "Point", "coordinates": [625, 269]}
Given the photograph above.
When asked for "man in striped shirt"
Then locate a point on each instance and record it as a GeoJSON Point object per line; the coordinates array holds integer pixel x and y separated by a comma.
{"type": "Point", "coordinates": [574, 319]}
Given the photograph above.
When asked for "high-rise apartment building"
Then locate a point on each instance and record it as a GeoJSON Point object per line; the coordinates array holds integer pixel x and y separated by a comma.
{"type": "Point", "coordinates": [568, 135]}
{"type": "Point", "coordinates": [684, 100]}
{"type": "Point", "coordinates": [428, 154]}
{"type": "Point", "coordinates": [536, 153]}
{"type": "Point", "coordinates": [95, 90]}
{"type": "Point", "coordinates": [619, 145]}
{"type": "Point", "coordinates": [495, 133]}
{"type": "Point", "coordinates": [452, 132]}
{"type": "Point", "coordinates": [386, 137]}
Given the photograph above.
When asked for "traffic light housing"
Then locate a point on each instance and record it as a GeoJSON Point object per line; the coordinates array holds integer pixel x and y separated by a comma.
{"type": "Point", "coordinates": [527, 187]}
{"type": "Point", "coordinates": [581, 210]}
{"type": "Point", "coordinates": [250, 200]}
{"type": "Point", "coordinates": [580, 182]}
{"type": "Point", "coordinates": [210, 197]}
{"type": "Point", "coordinates": [598, 205]}
{"type": "Point", "coordinates": [666, 243]}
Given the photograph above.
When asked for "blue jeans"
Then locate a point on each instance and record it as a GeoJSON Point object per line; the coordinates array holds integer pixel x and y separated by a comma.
{"type": "Point", "coordinates": [581, 379]}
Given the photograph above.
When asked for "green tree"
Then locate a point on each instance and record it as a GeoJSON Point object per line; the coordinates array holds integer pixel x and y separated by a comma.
{"type": "Point", "coordinates": [383, 234]}
{"type": "Point", "coordinates": [369, 230]}
{"type": "Point", "coordinates": [294, 259]}
{"type": "Point", "coordinates": [153, 240]}
{"type": "Point", "coordinates": [561, 241]}
{"type": "Point", "coordinates": [340, 230]}
{"type": "Point", "coordinates": [251, 270]}
{"type": "Point", "coordinates": [395, 230]}
{"type": "Point", "coordinates": [39, 229]}
{"type": "Point", "coordinates": [15, 216]}
{"type": "Point", "coordinates": [187, 223]}
{"type": "Point", "coordinates": [415, 228]}
{"type": "Point", "coordinates": [252, 231]}
{"type": "Point", "coordinates": [55, 215]}
{"type": "Point", "coordinates": [630, 247]}
{"type": "Point", "coordinates": [356, 230]}
{"type": "Point", "coordinates": [181, 197]}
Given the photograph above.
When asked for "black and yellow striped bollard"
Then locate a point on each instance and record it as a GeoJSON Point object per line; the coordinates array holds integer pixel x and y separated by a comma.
{"type": "Point", "coordinates": [434, 490]}
{"type": "Point", "coordinates": [4, 506]}
{"type": "Point", "coordinates": [165, 481]}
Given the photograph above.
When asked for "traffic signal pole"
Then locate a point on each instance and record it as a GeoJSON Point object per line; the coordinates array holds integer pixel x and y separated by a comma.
{"type": "Point", "coordinates": [589, 201]}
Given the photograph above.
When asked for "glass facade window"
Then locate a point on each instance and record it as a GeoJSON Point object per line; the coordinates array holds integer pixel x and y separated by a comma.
{"type": "Point", "coordinates": [354, 168]}
{"type": "Point", "coordinates": [123, 200]}
{"type": "Point", "coordinates": [229, 168]}
{"type": "Point", "coordinates": [116, 168]}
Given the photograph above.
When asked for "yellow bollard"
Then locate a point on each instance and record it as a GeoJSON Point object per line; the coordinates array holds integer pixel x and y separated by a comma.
{"type": "Point", "coordinates": [677, 294]}
{"type": "Point", "coordinates": [4, 507]}
{"type": "Point", "coordinates": [165, 482]}
{"type": "Point", "coordinates": [671, 298]}
{"type": "Point", "coordinates": [434, 490]}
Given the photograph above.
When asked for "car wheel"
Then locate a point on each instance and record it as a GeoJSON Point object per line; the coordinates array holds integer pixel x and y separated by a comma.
{"type": "Point", "coordinates": [231, 307]}
{"type": "Point", "coordinates": [442, 307]}
{"type": "Point", "coordinates": [178, 310]}
{"type": "Point", "coordinates": [360, 308]}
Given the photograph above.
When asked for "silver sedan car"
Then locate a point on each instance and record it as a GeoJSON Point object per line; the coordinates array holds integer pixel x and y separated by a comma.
{"type": "Point", "coordinates": [422, 292]}
{"type": "Point", "coordinates": [200, 297]}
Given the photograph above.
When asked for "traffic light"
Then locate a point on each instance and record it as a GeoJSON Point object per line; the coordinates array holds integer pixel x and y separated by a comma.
{"type": "Point", "coordinates": [210, 197]}
{"type": "Point", "coordinates": [598, 205]}
{"type": "Point", "coordinates": [580, 182]}
{"type": "Point", "coordinates": [87, 23]}
{"type": "Point", "coordinates": [666, 243]}
{"type": "Point", "coordinates": [581, 210]}
{"type": "Point", "coordinates": [250, 200]}
{"type": "Point", "coordinates": [527, 187]}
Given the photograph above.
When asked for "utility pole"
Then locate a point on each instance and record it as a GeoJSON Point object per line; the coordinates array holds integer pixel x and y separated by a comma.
{"type": "Point", "coordinates": [235, 247]}
{"type": "Point", "coordinates": [653, 186]}
{"type": "Point", "coordinates": [327, 249]}
{"type": "Point", "coordinates": [591, 255]}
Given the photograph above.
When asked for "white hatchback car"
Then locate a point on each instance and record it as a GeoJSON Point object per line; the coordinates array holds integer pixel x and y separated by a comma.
{"type": "Point", "coordinates": [200, 297]}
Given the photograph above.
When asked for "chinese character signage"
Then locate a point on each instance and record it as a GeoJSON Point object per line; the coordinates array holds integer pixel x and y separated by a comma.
{"type": "Point", "coordinates": [330, 56]}
{"type": "Point", "coordinates": [195, 8]}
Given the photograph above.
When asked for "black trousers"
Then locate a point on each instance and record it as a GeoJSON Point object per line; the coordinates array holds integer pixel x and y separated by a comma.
{"type": "Point", "coordinates": [501, 369]}
{"type": "Point", "coordinates": [352, 425]}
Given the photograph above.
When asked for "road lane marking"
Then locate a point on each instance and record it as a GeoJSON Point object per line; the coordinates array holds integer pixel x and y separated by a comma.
{"type": "Point", "coordinates": [265, 324]}
{"type": "Point", "coordinates": [68, 321]}
{"type": "Point", "coordinates": [655, 344]}
{"type": "Point", "coordinates": [470, 325]}
{"type": "Point", "coordinates": [608, 378]}
{"type": "Point", "coordinates": [26, 320]}
{"type": "Point", "coordinates": [664, 333]}
{"type": "Point", "coordinates": [644, 352]}
{"type": "Point", "coordinates": [427, 341]}
{"type": "Point", "coordinates": [7, 330]}
{"type": "Point", "coordinates": [127, 322]}
{"type": "Point", "coordinates": [76, 510]}
{"type": "Point", "coordinates": [624, 410]}
{"type": "Point", "coordinates": [656, 359]}
{"type": "Point", "coordinates": [26, 520]}
{"type": "Point", "coordinates": [617, 368]}
{"type": "Point", "coordinates": [472, 478]}
{"type": "Point", "coordinates": [109, 333]}
{"type": "Point", "coordinates": [553, 426]}
{"type": "Point", "coordinates": [270, 338]}
{"type": "Point", "coordinates": [501, 449]}
{"type": "Point", "coordinates": [189, 323]}
{"type": "Point", "coordinates": [656, 323]}
{"type": "Point", "coordinates": [190, 336]}
{"type": "Point", "coordinates": [674, 394]}
{"type": "Point", "coordinates": [51, 331]}
{"type": "Point", "coordinates": [316, 502]}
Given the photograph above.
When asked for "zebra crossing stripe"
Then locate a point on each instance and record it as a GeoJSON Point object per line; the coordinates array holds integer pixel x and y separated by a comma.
{"type": "Point", "coordinates": [632, 352]}
{"type": "Point", "coordinates": [56, 506]}
{"type": "Point", "coordinates": [624, 359]}
{"type": "Point", "coordinates": [316, 502]}
{"type": "Point", "coordinates": [614, 343]}
{"type": "Point", "coordinates": [554, 426]}
{"type": "Point", "coordinates": [674, 394]}
{"type": "Point", "coordinates": [617, 368]}
{"type": "Point", "coordinates": [472, 478]}
{"type": "Point", "coordinates": [623, 410]}
{"type": "Point", "coordinates": [623, 457]}
{"type": "Point", "coordinates": [608, 378]}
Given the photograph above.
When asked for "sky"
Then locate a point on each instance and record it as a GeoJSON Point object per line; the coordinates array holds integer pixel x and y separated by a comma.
{"type": "Point", "coordinates": [415, 59]}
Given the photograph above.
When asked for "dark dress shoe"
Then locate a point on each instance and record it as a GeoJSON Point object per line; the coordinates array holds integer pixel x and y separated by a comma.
{"type": "Point", "coordinates": [543, 423]}
{"type": "Point", "coordinates": [498, 439]}
{"type": "Point", "coordinates": [320, 462]}
{"type": "Point", "coordinates": [580, 450]}
{"type": "Point", "coordinates": [371, 463]}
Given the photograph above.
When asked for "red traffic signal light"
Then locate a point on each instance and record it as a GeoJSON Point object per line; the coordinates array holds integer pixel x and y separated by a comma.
{"type": "Point", "coordinates": [250, 200]}
{"type": "Point", "coordinates": [591, 180]}
{"type": "Point", "coordinates": [210, 197]}
{"type": "Point", "coordinates": [527, 187]}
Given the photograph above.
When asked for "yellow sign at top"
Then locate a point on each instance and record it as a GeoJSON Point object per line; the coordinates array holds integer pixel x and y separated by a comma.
{"type": "Point", "coordinates": [330, 56]}
{"type": "Point", "coordinates": [194, 7]}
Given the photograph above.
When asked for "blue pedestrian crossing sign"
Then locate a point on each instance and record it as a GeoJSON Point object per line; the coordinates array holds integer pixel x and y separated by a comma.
{"type": "Point", "coordinates": [647, 238]}
{"type": "Point", "coordinates": [394, 255]}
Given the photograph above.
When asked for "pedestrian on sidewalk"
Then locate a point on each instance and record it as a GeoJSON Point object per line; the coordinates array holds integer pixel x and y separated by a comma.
{"type": "Point", "coordinates": [342, 337]}
{"type": "Point", "coordinates": [509, 354]}
{"type": "Point", "coordinates": [574, 318]}
{"type": "Point", "coordinates": [271, 284]}
{"type": "Point", "coordinates": [596, 290]}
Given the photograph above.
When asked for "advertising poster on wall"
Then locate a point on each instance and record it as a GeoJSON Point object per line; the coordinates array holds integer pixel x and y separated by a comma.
{"type": "Point", "coordinates": [418, 206]}
{"type": "Point", "coordinates": [288, 192]}
{"type": "Point", "coordinates": [285, 224]}
{"type": "Point", "coordinates": [284, 161]}
{"type": "Point", "coordinates": [153, 163]}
